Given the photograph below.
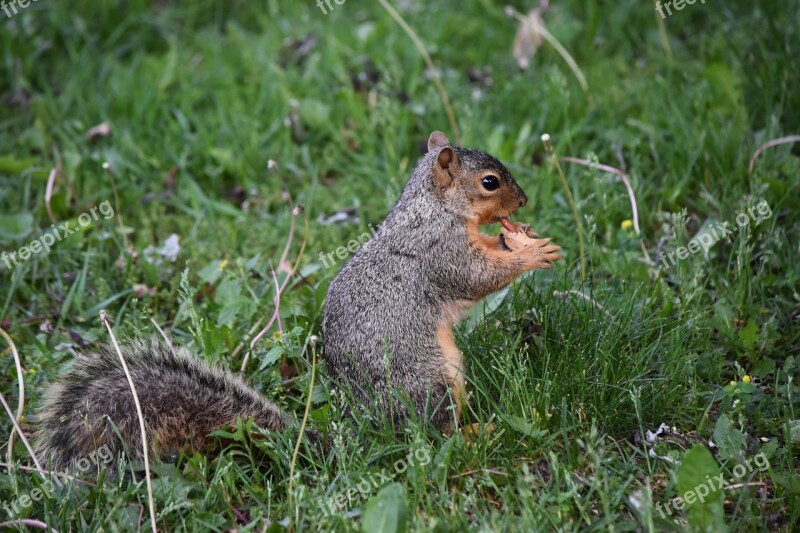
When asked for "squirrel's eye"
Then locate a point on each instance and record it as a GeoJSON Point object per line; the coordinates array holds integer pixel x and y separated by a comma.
{"type": "Point", "coordinates": [490, 183]}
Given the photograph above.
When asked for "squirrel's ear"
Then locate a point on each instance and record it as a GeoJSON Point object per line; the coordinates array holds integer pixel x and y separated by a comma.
{"type": "Point", "coordinates": [442, 175]}
{"type": "Point", "coordinates": [437, 140]}
{"type": "Point", "coordinates": [446, 157]}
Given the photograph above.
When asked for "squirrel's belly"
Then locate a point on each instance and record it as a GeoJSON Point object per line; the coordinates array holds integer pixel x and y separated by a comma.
{"type": "Point", "coordinates": [453, 362]}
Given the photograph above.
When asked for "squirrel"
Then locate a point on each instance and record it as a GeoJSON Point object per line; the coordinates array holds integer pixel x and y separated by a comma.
{"type": "Point", "coordinates": [398, 295]}
{"type": "Point", "coordinates": [389, 313]}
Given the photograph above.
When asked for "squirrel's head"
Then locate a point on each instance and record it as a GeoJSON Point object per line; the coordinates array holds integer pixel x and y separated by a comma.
{"type": "Point", "coordinates": [473, 184]}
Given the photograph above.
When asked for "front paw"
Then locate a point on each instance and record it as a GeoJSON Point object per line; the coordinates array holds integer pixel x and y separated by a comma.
{"type": "Point", "coordinates": [537, 252]}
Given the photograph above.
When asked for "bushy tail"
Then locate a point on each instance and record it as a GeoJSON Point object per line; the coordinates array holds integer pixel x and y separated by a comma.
{"type": "Point", "coordinates": [183, 401]}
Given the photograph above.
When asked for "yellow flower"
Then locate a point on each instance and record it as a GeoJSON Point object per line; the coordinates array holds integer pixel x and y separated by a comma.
{"type": "Point", "coordinates": [626, 224]}
{"type": "Point", "coordinates": [277, 335]}
{"type": "Point", "coordinates": [223, 264]}
{"type": "Point", "coordinates": [746, 379]}
{"type": "Point", "coordinates": [733, 383]}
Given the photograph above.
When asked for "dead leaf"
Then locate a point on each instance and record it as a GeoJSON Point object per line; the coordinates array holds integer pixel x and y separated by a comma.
{"type": "Point", "coordinates": [297, 51]}
{"type": "Point", "coordinates": [169, 251]}
{"type": "Point", "coordinates": [529, 37]}
{"type": "Point", "coordinates": [284, 266]}
{"type": "Point", "coordinates": [345, 216]}
{"type": "Point", "coordinates": [140, 290]}
{"type": "Point", "coordinates": [101, 130]}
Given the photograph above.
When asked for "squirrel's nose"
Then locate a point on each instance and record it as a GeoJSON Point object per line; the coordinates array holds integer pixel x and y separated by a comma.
{"type": "Point", "coordinates": [523, 199]}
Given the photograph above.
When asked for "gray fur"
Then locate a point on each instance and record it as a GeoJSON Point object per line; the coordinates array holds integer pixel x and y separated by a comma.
{"type": "Point", "coordinates": [383, 309]}
{"type": "Point", "coordinates": [183, 400]}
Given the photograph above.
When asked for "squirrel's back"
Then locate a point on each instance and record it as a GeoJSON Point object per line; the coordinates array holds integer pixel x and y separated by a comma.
{"type": "Point", "coordinates": [183, 401]}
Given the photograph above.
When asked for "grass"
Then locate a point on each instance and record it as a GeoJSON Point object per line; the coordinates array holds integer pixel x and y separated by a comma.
{"type": "Point", "coordinates": [199, 96]}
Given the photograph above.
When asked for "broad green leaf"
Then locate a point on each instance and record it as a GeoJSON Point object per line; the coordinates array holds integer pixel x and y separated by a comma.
{"type": "Point", "coordinates": [524, 426]}
{"type": "Point", "coordinates": [12, 166]}
{"type": "Point", "coordinates": [700, 491]}
{"type": "Point", "coordinates": [794, 430]}
{"type": "Point", "coordinates": [441, 462]}
{"type": "Point", "coordinates": [15, 227]}
{"type": "Point", "coordinates": [315, 113]}
{"type": "Point", "coordinates": [730, 440]}
{"type": "Point", "coordinates": [252, 263]}
{"type": "Point", "coordinates": [223, 156]}
{"type": "Point", "coordinates": [481, 311]}
{"type": "Point", "coordinates": [238, 307]}
{"type": "Point", "coordinates": [749, 334]}
{"type": "Point", "coordinates": [726, 84]}
{"type": "Point", "coordinates": [272, 356]}
{"type": "Point", "coordinates": [211, 272]}
{"type": "Point", "coordinates": [386, 512]}
{"type": "Point", "coordinates": [228, 292]}
{"type": "Point", "coordinates": [748, 388]}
